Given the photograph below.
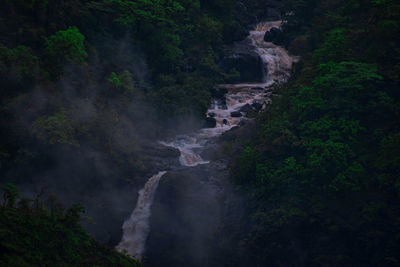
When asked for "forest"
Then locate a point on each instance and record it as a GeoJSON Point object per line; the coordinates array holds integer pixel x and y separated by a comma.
{"type": "Point", "coordinates": [87, 87]}
{"type": "Point", "coordinates": [321, 172]}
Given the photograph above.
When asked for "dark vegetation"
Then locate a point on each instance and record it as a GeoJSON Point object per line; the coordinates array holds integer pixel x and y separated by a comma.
{"type": "Point", "coordinates": [85, 88]}
{"type": "Point", "coordinates": [72, 70]}
{"type": "Point", "coordinates": [321, 173]}
{"type": "Point", "coordinates": [35, 234]}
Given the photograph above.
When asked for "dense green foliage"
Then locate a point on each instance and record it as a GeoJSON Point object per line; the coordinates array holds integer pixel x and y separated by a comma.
{"type": "Point", "coordinates": [68, 44]}
{"type": "Point", "coordinates": [321, 174]}
{"type": "Point", "coordinates": [72, 70]}
{"type": "Point", "coordinates": [85, 88]}
{"type": "Point", "coordinates": [32, 235]}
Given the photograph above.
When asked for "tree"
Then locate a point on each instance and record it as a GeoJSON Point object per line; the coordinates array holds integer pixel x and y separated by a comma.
{"type": "Point", "coordinates": [67, 45]}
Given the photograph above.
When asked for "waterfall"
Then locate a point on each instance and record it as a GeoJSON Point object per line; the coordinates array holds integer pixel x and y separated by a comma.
{"type": "Point", "coordinates": [277, 61]}
{"type": "Point", "coordinates": [136, 228]}
{"type": "Point", "coordinates": [277, 64]}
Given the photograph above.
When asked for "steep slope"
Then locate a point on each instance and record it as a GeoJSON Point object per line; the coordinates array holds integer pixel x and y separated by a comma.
{"type": "Point", "coordinates": [321, 172]}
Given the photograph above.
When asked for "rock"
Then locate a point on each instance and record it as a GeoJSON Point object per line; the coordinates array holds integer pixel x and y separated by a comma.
{"type": "Point", "coordinates": [257, 88]}
{"type": "Point", "coordinates": [269, 94]}
{"type": "Point", "coordinates": [251, 114]}
{"type": "Point", "coordinates": [156, 150]}
{"type": "Point", "coordinates": [268, 37]}
{"type": "Point", "coordinates": [211, 114]}
{"type": "Point", "coordinates": [274, 35]}
{"type": "Point", "coordinates": [221, 103]}
{"type": "Point", "coordinates": [275, 31]}
{"type": "Point", "coordinates": [225, 121]}
{"type": "Point", "coordinates": [246, 108]}
{"type": "Point", "coordinates": [236, 114]}
{"type": "Point", "coordinates": [271, 34]}
{"type": "Point", "coordinates": [157, 157]}
{"type": "Point", "coordinates": [279, 39]}
{"type": "Point", "coordinates": [229, 135]}
{"type": "Point", "coordinates": [242, 57]}
{"type": "Point", "coordinates": [257, 106]}
{"type": "Point", "coordinates": [210, 122]}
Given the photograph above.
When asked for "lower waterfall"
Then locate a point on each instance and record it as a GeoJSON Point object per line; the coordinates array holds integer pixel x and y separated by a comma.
{"type": "Point", "coordinates": [136, 228]}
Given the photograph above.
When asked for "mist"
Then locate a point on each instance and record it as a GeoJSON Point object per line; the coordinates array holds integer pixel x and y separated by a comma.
{"type": "Point", "coordinates": [99, 163]}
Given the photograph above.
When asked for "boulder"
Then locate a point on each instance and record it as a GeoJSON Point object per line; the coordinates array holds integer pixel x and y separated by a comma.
{"type": "Point", "coordinates": [246, 108]}
{"type": "Point", "coordinates": [236, 114]}
{"type": "Point", "coordinates": [211, 114]}
{"type": "Point", "coordinates": [210, 122]}
{"type": "Point", "coordinates": [268, 37]}
{"type": "Point", "coordinates": [274, 35]}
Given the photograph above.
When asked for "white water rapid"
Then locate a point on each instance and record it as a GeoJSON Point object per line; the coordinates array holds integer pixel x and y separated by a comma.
{"type": "Point", "coordinates": [136, 228]}
{"type": "Point", "coordinates": [277, 65]}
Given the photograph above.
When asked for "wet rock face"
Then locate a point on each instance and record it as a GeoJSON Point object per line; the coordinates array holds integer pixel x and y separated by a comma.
{"type": "Point", "coordinates": [242, 58]}
{"type": "Point", "coordinates": [158, 158]}
{"type": "Point", "coordinates": [186, 213]}
{"type": "Point", "coordinates": [247, 65]}
{"type": "Point", "coordinates": [162, 151]}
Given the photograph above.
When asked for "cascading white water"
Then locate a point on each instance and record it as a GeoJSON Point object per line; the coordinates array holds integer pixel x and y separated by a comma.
{"type": "Point", "coordinates": [136, 228]}
{"type": "Point", "coordinates": [277, 63]}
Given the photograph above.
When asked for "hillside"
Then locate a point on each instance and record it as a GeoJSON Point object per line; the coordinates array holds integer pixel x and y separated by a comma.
{"type": "Point", "coordinates": [321, 171]}
{"type": "Point", "coordinates": [260, 169]}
